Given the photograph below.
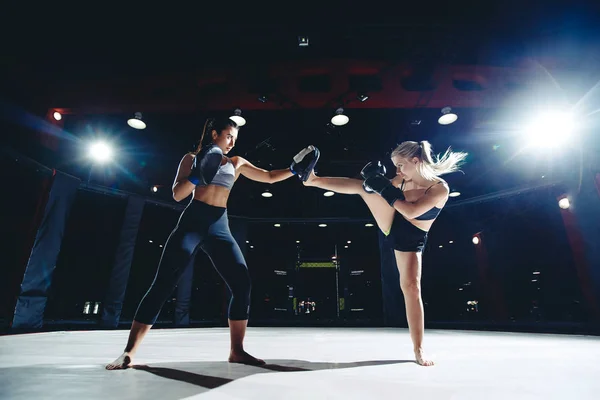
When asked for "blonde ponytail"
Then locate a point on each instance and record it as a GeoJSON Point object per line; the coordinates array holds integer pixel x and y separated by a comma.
{"type": "Point", "coordinates": [430, 167]}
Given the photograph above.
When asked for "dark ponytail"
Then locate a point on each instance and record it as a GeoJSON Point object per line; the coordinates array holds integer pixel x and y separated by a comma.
{"type": "Point", "coordinates": [213, 124]}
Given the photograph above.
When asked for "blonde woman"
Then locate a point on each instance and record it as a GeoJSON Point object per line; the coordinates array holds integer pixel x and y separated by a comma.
{"type": "Point", "coordinates": [404, 208]}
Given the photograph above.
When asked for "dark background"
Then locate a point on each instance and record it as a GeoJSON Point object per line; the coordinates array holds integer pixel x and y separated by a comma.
{"type": "Point", "coordinates": [509, 192]}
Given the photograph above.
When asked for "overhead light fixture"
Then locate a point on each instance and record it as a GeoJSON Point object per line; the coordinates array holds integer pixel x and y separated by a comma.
{"type": "Point", "coordinates": [368, 225]}
{"type": "Point", "coordinates": [57, 116]}
{"type": "Point", "coordinates": [339, 118]}
{"type": "Point", "coordinates": [136, 122]}
{"type": "Point", "coordinates": [476, 240]}
{"type": "Point", "coordinates": [447, 117]}
{"type": "Point", "coordinates": [154, 189]}
{"type": "Point", "coordinates": [349, 241]}
{"type": "Point", "coordinates": [454, 194]}
{"type": "Point", "coordinates": [237, 117]}
{"type": "Point", "coordinates": [362, 97]}
{"type": "Point", "coordinates": [328, 194]}
{"type": "Point", "coordinates": [564, 203]}
{"type": "Point", "coordinates": [277, 225]}
{"type": "Point", "coordinates": [322, 225]}
{"type": "Point", "coordinates": [297, 241]}
{"type": "Point", "coordinates": [303, 41]}
{"type": "Point", "coordinates": [266, 193]}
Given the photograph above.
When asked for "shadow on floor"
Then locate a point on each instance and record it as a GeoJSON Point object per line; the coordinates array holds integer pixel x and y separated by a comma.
{"type": "Point", "coordinates": [211, 375]}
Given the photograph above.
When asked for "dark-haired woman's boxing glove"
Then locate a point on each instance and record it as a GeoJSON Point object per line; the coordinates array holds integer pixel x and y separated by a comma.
{"type": "Point", "coordinates": [205, 166]}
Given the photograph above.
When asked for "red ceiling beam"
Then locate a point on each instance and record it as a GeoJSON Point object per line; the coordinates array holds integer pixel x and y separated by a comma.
{"type": "Point", "coordinates": [452, 85]}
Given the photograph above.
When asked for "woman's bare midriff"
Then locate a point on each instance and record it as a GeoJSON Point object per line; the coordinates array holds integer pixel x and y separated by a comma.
{"type": "Point", "coordinates": [212, 195]}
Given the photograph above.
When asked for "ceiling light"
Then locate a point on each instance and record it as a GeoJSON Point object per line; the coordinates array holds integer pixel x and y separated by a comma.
{"type": "Point", "coordinates": [302, 41]}
{"type": "Point", "coordinates": [266, 193]}
{"type": "Point", "coordinates": [339, 118]}
{"type": "Point", "coordinates": [368, 225]}
{"type": "Point", "coordinates": [57, 116]}
{"type": "Point", "coordinates": [322, 225]}
{"type": "Point", "coordinates": [100, 152]}
{"type": "Point", "coordinates": [564, 203]}
{"type": "Point", "coordinates": [447, 117]}
{"type": "Point", "coordinates": [237, 117]}
{"type": "Point", "coordinates": [454, 194]}
{"type": "Point", "coordinates": [136, 122]}
{"type": "Point", "coordinates": [328, 194]}
{"type": "Point", "coordinates": [277, 225]}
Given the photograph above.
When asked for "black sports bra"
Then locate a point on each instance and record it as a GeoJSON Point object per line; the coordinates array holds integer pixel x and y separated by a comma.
{"type": "Point", "coordinates": [430, 214]}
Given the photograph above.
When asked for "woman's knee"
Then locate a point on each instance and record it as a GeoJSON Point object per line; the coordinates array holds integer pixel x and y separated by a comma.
{"type": "Point", "coordinates": [243, 283]}
{"type": "Point", "coordinates": [410, 287]}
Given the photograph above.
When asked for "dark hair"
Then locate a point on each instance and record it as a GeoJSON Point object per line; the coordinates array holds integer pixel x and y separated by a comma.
{"type": "Point", "coordinates": [213, 124]}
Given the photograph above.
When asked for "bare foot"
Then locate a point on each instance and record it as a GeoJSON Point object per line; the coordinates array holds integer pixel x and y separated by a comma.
{"type": "Point", "coordinates": [422, 359]}
{"type": "Point", "coordinates": [244, 358]}
{"type": "Point", "coordinates": [123, 362]}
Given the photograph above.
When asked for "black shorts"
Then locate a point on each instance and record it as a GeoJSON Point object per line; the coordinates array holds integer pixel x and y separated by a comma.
{"type": "Point", "coordinates": [404, 236]}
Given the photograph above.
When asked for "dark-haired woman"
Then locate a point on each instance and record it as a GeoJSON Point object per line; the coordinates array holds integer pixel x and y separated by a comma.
{"type": "Point", "coordinates": [209, 175]}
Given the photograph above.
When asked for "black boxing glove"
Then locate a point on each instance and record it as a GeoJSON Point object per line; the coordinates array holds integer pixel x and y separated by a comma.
{"type": "Point", "coordinates": [205, 166]}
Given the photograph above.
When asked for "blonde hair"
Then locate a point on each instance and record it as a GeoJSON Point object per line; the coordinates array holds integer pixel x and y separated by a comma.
{"type": "Point", "coordinates": [429, 168]}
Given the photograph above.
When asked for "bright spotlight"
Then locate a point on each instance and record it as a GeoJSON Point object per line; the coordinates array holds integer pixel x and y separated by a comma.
{"type": "Point", "coordinates": [57, 116]}
{"type": "Point", "coordinates": [100, 152]}
{"type": "Point", "coordinates": [564, 203]}
{"type": "Point", "coordinates": [322, 225]}
{"type": "Point", "coordinates": [475, 239]}
{"type": "Point", "coordinates": [277, 225]}
{"type": "Point", "coordinates": [154, 189]}
{"type": "Point", "coordinates": [267, 194]}
{"type": "Point", "coordinates": [454, 194]}
{"type": "Point", "coordinates": [368, 225]}
{"type": "Point", "coordinates": [328, 194]}
{"type": "Point", "coordinates": [550, 129]}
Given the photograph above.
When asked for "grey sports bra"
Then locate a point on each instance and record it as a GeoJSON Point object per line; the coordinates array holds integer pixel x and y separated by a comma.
{"type": "Point", "coordinates": [225, 175]}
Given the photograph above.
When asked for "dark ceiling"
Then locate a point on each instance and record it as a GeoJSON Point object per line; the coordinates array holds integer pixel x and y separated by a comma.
{"type": "Point", "coordinates": [66, 61]}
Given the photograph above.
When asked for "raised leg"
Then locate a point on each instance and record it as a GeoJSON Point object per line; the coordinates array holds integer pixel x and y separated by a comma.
{"type": "Point", "coordinates": [380, 209]}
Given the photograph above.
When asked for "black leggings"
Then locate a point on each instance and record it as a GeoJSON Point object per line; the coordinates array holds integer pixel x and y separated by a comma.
{"type": "Point", "coordinates": [206, 227]}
